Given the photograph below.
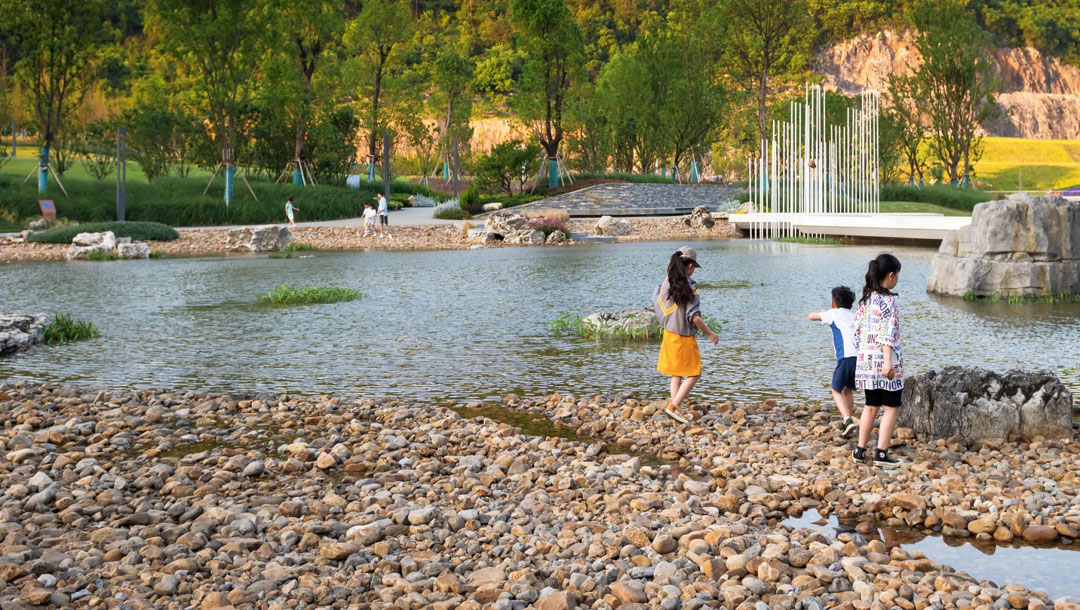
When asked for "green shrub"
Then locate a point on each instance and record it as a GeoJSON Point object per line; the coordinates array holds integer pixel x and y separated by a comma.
{"type": "Point", "coordinates": [939, 194]}
{"type": "Point", "coordinates": [179, 202]}
{"type": "Point", "coordinates": [157, 254]}
{"type": "Point", "coordinates": [314, 295]}
{"type": "Point", "coordinates": [152, 231]}
{"type": "Point", "coordinates": [470, 198]}
{"type": "Point", "coordinates": [636, 178]}
{"type": "Point", "coordinates": [452, 214]}
{"type": "Point", "coordinates": [63, 329]}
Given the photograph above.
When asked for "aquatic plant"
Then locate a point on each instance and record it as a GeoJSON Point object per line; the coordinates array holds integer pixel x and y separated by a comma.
{"type": "Point", "coordinates": [289, 250]}
{"type": "Point", "coordinates": [818, 241]}
{"type": "Point", "coordinates": [570, 324]}
{"type": "Point", "coordinates": [157, 254]}
{"type": "Point", "coordinates": [1020, 299]}
{"type": "Point", "coordinates": [63, 329]}
{"type": "Point", "coordinates": [727, 285]}
{"type": "Point", "coordinates": [313, 295]}
{"type": "Point", "coordinates": [101, 255]}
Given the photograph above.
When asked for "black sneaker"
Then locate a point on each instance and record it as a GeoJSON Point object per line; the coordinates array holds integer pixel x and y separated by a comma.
{"type": "Point", "coordinates": [882, 458]}
{"type": "Point", "coordinates": [858, 455]}
{"type": "Point", "coordinates": [850, 425]}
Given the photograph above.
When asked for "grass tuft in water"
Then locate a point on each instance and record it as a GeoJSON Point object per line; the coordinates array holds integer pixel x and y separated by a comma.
{"type": "Point", "coordinates": [101, 255]}
{"type": "Point", "coordinates": [726, 285]}
{"type": "Point", "coordinates": [157, 254]}
{"type": "Point", "coordinates": [289, 250]}
{"type": "Point", "coordinates": [63, 329]}
{"type": "Point", "coordinates": [819, 241]}
{"type": "Point", "coordinates": [1020, 299]}
{"type": "Point", "coordinates": [570, 324]}
{"type": "Point", "coordinates": [314, 295]}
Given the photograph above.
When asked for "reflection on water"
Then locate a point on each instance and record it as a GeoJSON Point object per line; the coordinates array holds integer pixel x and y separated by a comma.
{"type": "Point", "coordinates": [472, 324]}
{"type": "Point", "coordinates": [1052, 569]}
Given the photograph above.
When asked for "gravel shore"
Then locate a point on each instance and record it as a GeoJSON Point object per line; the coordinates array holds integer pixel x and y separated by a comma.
{"type": "Point", "coordinates": [434, 237]}
{"type": "Point", "coordinates": [181, 500]}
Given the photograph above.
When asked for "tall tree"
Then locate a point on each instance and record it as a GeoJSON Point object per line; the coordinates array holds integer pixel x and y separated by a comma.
{"type": "Point", "coordinates": [310, 32]}
{"type": "Point", "coordinates": [220, 42]}
{"type": "Point", "coordinates": [905, 114]}
{"type": "Point", "coordinates": [954, 84]}
{"type": "Point", "coordinates": [58, 41]}
{"type": "Point", "coordinates": [374, 39]}
{"type": "Point", "coordinates": [556, 51]}
{"type": "Point", "coordinates": [762, 41]}
{"type": "Point", "coordinates": [454, 76]}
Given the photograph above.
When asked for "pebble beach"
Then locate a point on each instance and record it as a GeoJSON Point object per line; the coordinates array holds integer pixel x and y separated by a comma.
{"type": "Point", "coordinates": [211, 242]}
{"type": "Point", "coordinates": [155, 499]}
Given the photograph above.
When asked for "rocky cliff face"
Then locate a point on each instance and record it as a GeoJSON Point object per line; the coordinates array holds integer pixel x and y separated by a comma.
{"type": "Point", "coordinates": [1040, 94]}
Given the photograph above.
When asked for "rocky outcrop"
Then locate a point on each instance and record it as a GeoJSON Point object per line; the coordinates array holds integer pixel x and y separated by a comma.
{"type": "Point", "coordinates": [85, 244]}
{"type": "Point", "coordinates": [259, 239]}
{"type": "Point", "coordinates": [977, 404]}
{"type": "Point", "coordinates": [130, 250]}
{"type": "Point", "coordinates": [511, 227]}
{"type": "Point", "coordinates": [1039, 92]}
{"type": "Point", "coordinates": [18, 332]}
{"type": "Point", "coordinates": [700, 218]}
{"type": "Point", "coordinates": [612, 227]}
{"type": "Point", "coordinates": [1023, 245]}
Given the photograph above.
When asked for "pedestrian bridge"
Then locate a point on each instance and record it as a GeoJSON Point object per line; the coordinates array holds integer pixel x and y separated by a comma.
{"type": "Point", "coordinates": [930, 227]}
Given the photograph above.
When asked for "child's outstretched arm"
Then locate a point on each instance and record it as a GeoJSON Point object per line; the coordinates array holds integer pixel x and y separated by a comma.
{"type": "Point", "coordinates": [704, 328]}
{"type": "Point", "coordinates": [814, 316]}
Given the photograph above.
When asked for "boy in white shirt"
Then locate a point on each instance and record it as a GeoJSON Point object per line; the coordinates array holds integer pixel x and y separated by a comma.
{"type": "Point", "coordinates": [841, 320]}
{"type": "Point", "coordinates": [369, 219]}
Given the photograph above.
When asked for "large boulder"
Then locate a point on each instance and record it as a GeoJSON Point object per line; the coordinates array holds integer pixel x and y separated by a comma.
{"type": "Point", "coordinates": [18, 332]}
{"type": "Point", "coordinates": [137, 249]}
{"type": "Point", "coordinates": [85, 244]}
{"type": "Point", "coordinates": [977, 404]}
{"type": "Point", "coordinates": [527, 236]}
{"type": "Point", "coordinates": [505, 223]}
{"type": "Point", "coordinates": [608, 225]}
{"type": "Point", "coordinates": [700, 218]}
{"type": "Point", "coordinates": [1024, 245]}
{"type": "Point", "coordinates": [260, 239]}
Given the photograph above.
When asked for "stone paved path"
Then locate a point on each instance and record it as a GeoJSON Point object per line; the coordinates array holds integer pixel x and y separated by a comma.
{"type": "Point", "coordinates": [622, 199]}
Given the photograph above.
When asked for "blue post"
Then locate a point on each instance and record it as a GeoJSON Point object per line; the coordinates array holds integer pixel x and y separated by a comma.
{"type": "Point", "coordinates": [445, 170]}
{"type": "Point", "coordinates": [230, 173]}
{"type": "Point", "coordinates": [663, 170]}
{"type": "Point", "coordinates": [297, 176]}
{"type": "Point", "coordinates": [553, 173]}
{"type": "Point", "coordinates": [370, 171]}
{"type": "Point", "coordinates": [43, 170]}
{"type": "Point", "coordinates": [694, 172]}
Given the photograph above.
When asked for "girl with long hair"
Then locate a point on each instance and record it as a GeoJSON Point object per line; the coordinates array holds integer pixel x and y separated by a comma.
{"type": "Point", "coordinates": [678, 310]}
{"type": "Point", "coordinates": [879, 368]}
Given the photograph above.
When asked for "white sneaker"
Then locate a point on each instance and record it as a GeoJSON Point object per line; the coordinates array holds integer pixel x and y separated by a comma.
{"type": "Point", "coordinates": [673, 415]}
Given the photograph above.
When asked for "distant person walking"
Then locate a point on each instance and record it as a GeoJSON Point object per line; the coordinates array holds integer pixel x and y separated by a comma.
{"type": "Point", "coordinates": [678, 310]}
{"type": "Point", "coordinates": [841, 320]}
{"type": "Point", "coordinates": [879, 369]}
{"type": "Point", "coordinates": [384, 216]}
{"type": "Point", "coordinates": [289, 209]}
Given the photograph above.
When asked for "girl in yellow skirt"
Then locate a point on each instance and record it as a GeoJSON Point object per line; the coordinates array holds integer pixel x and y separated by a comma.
{"type": "Point", "coordinates": [678, 310]}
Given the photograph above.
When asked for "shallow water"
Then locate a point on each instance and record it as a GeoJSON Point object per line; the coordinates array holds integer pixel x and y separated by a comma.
{"type": "Point", "coordinates": [461, 325]}
{"type": "Point", "coordinates": [1048, 568]}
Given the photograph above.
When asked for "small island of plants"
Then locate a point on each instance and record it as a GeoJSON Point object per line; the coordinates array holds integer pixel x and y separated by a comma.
{"type": "Point", "coordinates": [63, 329]}
{"type": "Point", "coordinates": [313, 295]}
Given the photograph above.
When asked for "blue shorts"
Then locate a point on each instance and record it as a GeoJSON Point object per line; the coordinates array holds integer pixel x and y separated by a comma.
{"type": "Point", "coordinates": [844, 375]}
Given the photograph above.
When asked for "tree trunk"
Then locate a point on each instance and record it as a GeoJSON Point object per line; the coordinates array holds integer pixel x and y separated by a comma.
{"type": "Point", "coordinates": [373, 141]}
{"type": "Point", "coordinates": [762, 89]}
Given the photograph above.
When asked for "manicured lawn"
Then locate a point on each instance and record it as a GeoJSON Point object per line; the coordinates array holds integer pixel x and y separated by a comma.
{"type": "Point", "coordinates": [913, 207]}
{"type": "Point", "coordinates": [1009, 164]}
